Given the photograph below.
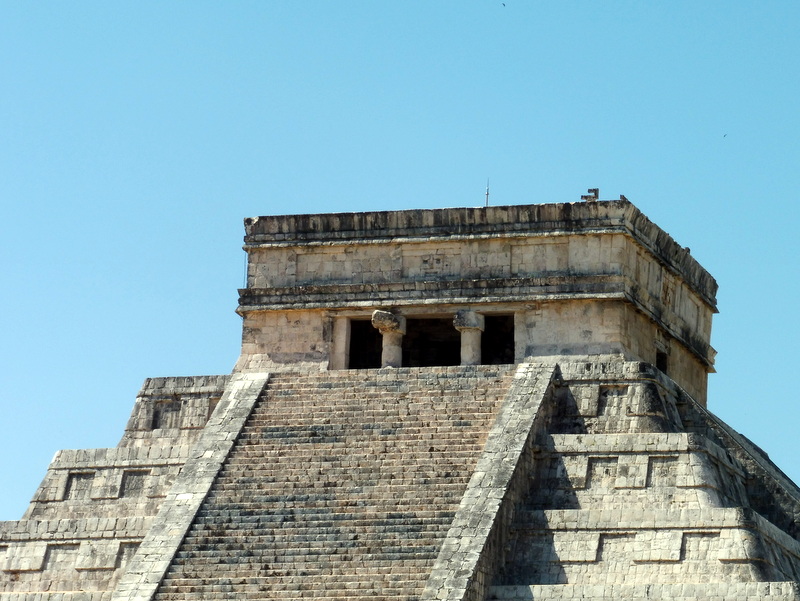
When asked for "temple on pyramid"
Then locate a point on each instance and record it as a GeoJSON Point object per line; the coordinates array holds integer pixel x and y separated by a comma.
{"type": "Point", "coordinates": [454, 404]}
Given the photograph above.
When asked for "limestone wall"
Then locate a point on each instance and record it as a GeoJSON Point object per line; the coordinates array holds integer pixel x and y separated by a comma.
{"type": "Point", "coordinates": [279, 340]}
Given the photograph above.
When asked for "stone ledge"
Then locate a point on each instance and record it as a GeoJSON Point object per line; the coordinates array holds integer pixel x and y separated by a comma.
{"type": "Point", "coordinates": [184, 385]}
{"type": "Point", "coordinates": [638, 443]}
{"type": "Point", "coordinates": [121, 457]}
{"type": "Point", "coordinates": [74, 529]}
{"type": "Point", "coordinates": [557, 286]}
{"type": "Point", "coordinates": [475, 292]}
{"type": "Point", "coordinates": [701, 591]}
{"type": "Point", "coordinates": [637, 519]}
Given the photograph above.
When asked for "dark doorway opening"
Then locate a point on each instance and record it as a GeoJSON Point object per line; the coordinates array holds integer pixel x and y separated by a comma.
{"type": "Point", "coordinates": [365, 345]}
{"type": "Point", "coordinates": [430, 342]}
{"type": "Point", "coordinates": [661, 362]}
{"type": "Point", "coordinates": [497, 341]}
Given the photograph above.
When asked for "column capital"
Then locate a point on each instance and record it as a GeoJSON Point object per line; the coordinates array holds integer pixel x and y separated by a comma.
{"type": "Point", "coordinates": [468, 320]}
{"type": "Point", "coordinates": [386, 321]}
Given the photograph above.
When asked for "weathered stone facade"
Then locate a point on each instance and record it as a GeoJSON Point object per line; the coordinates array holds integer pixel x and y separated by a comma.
{"type": "Point", "coordinates": [461, 404]}
{"type": "Point", "coordinates": [586, 278]}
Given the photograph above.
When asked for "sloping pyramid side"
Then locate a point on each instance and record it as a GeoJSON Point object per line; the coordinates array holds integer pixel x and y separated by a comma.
{"type": "Point", "coordinates": [603, 480]}
{"type": "Point", "coordinates": [94, 507]}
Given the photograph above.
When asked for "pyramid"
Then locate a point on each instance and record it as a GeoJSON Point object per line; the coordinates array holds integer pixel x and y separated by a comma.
{"type": "Point", "coordinates": [456, 404]}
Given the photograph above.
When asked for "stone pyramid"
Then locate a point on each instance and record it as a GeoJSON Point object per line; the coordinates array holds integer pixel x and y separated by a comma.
{"type": "Point", "coordinates": [498, 403]}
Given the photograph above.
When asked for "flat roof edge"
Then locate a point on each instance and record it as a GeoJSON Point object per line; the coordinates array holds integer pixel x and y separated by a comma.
{"type": "Point", "coordinates": [578, 217]}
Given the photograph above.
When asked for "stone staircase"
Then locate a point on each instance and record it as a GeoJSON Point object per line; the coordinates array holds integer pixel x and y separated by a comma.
{"type": "Point", "coordinates": [342, 485]}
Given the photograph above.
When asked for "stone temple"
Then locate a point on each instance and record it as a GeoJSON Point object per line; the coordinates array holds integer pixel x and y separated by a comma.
{"type": "Point", "coordinates": [488, 403]}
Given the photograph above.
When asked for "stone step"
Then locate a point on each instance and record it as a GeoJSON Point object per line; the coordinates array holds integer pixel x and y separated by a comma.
{"type": "Point", "coordinates": [331, 588]}
{"type": "Point", "coordinates": [342, 510]}
{"type": "Point", "coordinates": [311, 565]}
{"type": "Point", "coordinates": [346, 590]}
{"type": "Point", "coordinates": [318, 556]}
{"type": "Point", "coordinates": [402, 510]}
{"type": "Point", "coordinates": [295, 492]}
{"type": "Point", "coordinates": [393, 587]}
{"type": "Point", "coordinates": [323, 530]}
{"type": "Point", "coordinates": [383, 527]}
{"type": "Point", "coordinates": [355, 445]}
{"type": "Point", "coordinates": [352, 447]}
{"type": "Point", "coordinates": [364, 466]}
{"type": "Point", "coordinates": [300, 524]}
{"type": "Point", "coordinates": [343, 538]}
{"type": "Point", "coordinates": [358, 449]}
{"type": "Point", "coordinates": [347, 549]}
{"type": "Point", "coordinates": [338, 580]}
{"type": "Point", "coordinates": [372, 489]}
{"type": "Point", "coordinates": [279, 518]}
{"type": "Point", "coordinates": [419, 422]}
{"type": "Point", "coordinates": [283, 560]}
{"type": "Point", "coordinates": [304, 502]}
{"type": "Point", "coordinates": [370, 428]}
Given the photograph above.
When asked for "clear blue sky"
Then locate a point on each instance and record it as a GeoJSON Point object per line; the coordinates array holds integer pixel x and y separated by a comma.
{"type": "Point", "coordinates": [136, 136]}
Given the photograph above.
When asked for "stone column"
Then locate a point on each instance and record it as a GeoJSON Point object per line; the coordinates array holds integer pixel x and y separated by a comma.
{"type": "Point", "coordinates": [340, 353]}
{"type": "Point", "coordinates": [392, 327]}
{"type": "Point", "coordinates": [470, 324]}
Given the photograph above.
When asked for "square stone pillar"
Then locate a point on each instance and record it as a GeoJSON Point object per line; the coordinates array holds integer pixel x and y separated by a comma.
{"type": "Point", "coordinates": [392, 327]}
{"type": "Point", "coordinates": [471, 325]}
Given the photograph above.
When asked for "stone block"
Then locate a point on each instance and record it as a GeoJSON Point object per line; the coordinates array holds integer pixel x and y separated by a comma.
{"type": "Point", "coordinates": [24, 557]}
